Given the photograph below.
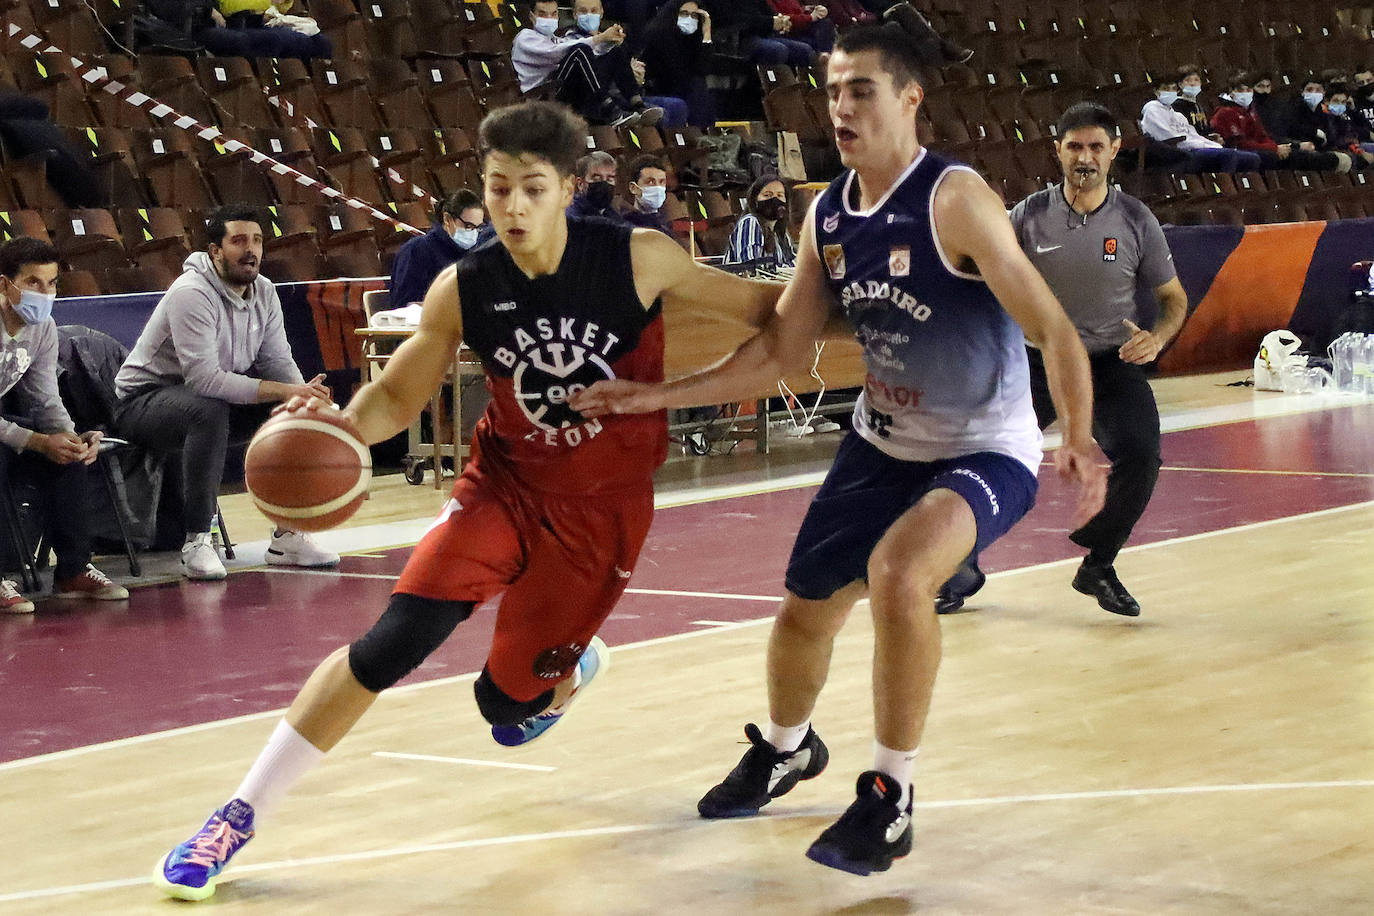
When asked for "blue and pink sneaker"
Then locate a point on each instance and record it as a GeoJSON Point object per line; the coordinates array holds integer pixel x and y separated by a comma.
{"type": "Point", "coordinates": [189, 871]}
{"type": "Point", "coordinates": [594, 660]}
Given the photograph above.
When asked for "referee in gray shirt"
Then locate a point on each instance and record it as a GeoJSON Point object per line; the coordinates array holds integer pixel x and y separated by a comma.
{"type": "Point", "coordinates": [1095, 245]}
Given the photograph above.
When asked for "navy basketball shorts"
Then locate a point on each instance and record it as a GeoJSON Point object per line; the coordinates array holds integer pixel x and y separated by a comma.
{"type": "Point", "coordinates": [867, 490]}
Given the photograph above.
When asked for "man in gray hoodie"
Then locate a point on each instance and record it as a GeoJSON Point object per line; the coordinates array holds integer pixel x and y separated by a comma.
{"type": "Point", "coordinates": [212, 355]}
{"type": "Point", "coordinates": [40, 443]}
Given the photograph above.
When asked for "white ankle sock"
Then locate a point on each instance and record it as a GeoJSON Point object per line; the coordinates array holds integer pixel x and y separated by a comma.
{"type": "Point", "coordinates": [786, 738]}
{"type": "Point", "coordinates": [286, 758]}
{"type": "Point", "coordinates": [900, 765]}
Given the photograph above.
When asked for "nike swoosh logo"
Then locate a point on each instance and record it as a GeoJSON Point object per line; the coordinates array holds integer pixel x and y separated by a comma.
{"type": "Point", "coordinates": [897, 827]}
{"type": "Point", "coordinates": [1041, 249]}
{"type": "Point", "coordinates": [797, 762]}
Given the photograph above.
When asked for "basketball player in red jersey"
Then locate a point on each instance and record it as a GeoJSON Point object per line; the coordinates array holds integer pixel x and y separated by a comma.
{"type": "Point", "coordinates": [551, 509]}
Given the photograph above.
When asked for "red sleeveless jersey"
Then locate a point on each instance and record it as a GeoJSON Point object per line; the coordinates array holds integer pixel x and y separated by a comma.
{"type": "Point", "coordinates": [542, 339]}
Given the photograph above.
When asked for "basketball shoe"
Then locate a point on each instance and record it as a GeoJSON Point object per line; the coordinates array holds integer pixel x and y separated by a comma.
{"type": "Point", "coordinates": [595, 659]}
{"type": "Point", "coordinates": [190, 870]}
{"type": "Point", "coordinates": [12, 601]}
{"type": "Point", "coordinates": [200, 558]}
{"type": "Point", "coordinates": [763, 774]}
{"type": "Point", "coordinates": [296, 548]}
{"type": "Point", "coordinates": [871, 833]}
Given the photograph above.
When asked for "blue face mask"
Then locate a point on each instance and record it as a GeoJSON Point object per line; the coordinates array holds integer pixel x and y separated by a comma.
{"type": "Point", "coordinates": [1192, 92]}
{"type": "Point", "coordinates": [545, 26]}
{"type": "Point", "coordinates": [465, 238]}
{"type": "Point", "coordinates": [1336, 108]}
{"type": "Point", "coordinates": [588, 22]}
{"type": "Point", "coordinates": [1168, 98]}
{"type": "Point", "coordinates": [653, 197]}
{"type": "Point", "coordinates": [34, 307]}
{"type": "Point", "coordinates": [687, 24]}
{"type": "Point", "coordinates": [1243, 99]}
{"type": "Point", "coordinates": [1313, 99]}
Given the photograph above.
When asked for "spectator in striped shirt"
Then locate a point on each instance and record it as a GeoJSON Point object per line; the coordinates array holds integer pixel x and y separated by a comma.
{"type": "Point", "coordinates": [761, 233]}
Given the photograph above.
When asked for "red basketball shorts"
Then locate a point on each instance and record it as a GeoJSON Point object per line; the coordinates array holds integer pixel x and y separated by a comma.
{"type": "Point", "coordinates": [562, 562]}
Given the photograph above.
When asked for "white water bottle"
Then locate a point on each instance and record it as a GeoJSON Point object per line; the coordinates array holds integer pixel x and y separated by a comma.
{"type": "Point", "coordinates": [1343, 361]}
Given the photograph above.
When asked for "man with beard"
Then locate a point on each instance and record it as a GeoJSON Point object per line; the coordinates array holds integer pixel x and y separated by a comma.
{"type": "Point", "coordinates": [208, 365]}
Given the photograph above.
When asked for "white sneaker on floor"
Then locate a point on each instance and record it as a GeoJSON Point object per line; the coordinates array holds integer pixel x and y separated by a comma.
{"type": "Point", "coordinates": [296, 548]}
{"type": "Point", "coordinates": [200, 559]}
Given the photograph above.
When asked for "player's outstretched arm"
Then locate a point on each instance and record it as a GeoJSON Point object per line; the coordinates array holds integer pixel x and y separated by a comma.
{"type": "Point", "coordinates": [782, 342]}
{"type": "Point", "coordinates": [973, 225]}
{"type": "Point", "coordinates": [385, 407]}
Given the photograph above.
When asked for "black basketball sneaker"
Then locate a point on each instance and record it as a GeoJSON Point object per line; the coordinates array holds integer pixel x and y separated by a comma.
{"type": "Point", "coordinates": [871, 833]}
{"type": "Point", "coordinates": [763, 775]}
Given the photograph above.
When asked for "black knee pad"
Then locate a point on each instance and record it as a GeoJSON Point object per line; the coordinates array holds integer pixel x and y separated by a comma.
{"type": "Point", "coordinates": [499, 708]}
{"type": "Point", "coordinates": [409, 629]}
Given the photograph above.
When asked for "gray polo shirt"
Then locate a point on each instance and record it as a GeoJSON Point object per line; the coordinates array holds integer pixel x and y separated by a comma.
{"type": "Point", "coordinates": [1094, 262]}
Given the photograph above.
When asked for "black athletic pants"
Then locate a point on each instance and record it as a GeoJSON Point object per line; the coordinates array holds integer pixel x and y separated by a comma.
{"type": "Point", "coordinates": [1126, 426]}
{"type": "Point", "coordinates": [63, 493]}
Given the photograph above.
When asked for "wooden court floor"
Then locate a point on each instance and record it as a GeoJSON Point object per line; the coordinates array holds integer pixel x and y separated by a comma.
{"type": "Point", "coordinates": [1215, 756]}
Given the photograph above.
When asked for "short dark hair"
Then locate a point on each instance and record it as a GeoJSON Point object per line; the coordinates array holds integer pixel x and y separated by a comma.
{"type": "Point", "coordinates": [1242, 78]}
{"type": "Point", "coordinates": [640, 163]}
{"type": "Point", "coordinates": [543, 129]}
{"type": "Point", "coordinates": [1086, 114]}
{"type": "Point", "coordinates": [1187, 70]}
{"type": "Point", "coordinates": [1362, 68]}
{"type": "Point", "coordinates": [1165, 79]}
{"type": "Point", "coordinates": [899, 56]}
{"type": "Point", "coordinates": [454, 205]}
{"type": "Point", "coordinates": [22, 250]}
{"type": "Point", "coordinates": [217, 222]}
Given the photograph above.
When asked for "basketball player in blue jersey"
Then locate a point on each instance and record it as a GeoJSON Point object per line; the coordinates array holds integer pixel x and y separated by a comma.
{"type": "Point", "coordinates": [551, 509]}
{"type": "Point", "coordinates": [917, 254]}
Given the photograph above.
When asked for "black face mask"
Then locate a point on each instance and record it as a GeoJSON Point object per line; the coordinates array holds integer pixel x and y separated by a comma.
{"type": "Point", "coordinates": [771, 209]}
{"type": "Point", "coordinates": [1365, 93]}
{"type": "Point", "coordinates": [599, 194]}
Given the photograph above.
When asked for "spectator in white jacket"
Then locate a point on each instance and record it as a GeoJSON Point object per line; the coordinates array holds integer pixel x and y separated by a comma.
{"type": "Point", "coordinates": [563, 67]}
{"type": "Point", "coordinates": [211, 359]}
{"type": "Point", "coordinates": [1159, 121]}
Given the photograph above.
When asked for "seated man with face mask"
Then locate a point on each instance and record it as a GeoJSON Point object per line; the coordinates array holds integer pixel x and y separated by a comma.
{"type": "Point", "coordinates": [649, 185]}
{"type": "Point", "coordinates": [459, 224]}
{"type": "Point", "coordinates": [594, 181]}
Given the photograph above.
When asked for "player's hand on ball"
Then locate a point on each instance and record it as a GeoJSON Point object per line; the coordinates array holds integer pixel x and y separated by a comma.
{"type": "Point", "coordinates": [617, 396]}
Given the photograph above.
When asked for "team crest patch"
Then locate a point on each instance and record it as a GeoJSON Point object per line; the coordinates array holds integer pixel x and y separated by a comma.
{"type": "Point", "coordinates": [831, 222]}
{"type": "Point", "coordinates": [834, 261]}
{"type": "Point", "coordinates": [899, 260]}
{"type": "Point", "coordinates": [1109, 249]}
{"type": "Point", "coordinates": [557, 663]}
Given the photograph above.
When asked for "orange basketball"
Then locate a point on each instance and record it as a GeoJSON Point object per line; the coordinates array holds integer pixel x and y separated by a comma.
{"type": "Point", "coordinates": [307, 470]}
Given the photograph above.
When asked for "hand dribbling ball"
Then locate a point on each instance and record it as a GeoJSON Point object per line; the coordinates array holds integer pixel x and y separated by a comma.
{"type": "Point", "coordinates": [307, 470]}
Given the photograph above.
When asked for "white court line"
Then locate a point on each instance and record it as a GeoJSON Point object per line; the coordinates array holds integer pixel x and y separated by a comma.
{"type": "Point", "coordinates": [678, 594]}
{"type": "Point", "coordinates": [430, 758]}
{"type": "Point", "coordinates": [395, 851]}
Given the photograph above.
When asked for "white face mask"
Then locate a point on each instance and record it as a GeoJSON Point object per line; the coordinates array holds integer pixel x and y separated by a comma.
{"type": "Point", "coordinates": [1313, 99]}
{"type": "Point", "coordinates": [653, 197]}
{"type": "Point", "coordinates": [1243, 99]}
{"type": "Point", "coordinates": [687, 24]}
{"type": "Point", "coordinates": [464, 238]}
{"type": "Point", "coordinates": [34, 307]}
{"type": "Point", "coordinates": [546, 26]}
{"type": "Point", "coordinates": [1168, 98]}
{"type": "Point", "coordinates": [588, 22]}
{"type": "Point", "coordinates": [1192, 92]}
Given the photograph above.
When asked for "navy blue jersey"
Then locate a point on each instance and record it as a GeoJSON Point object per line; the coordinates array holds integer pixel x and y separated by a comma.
{"type": "Point", "coordinates": [946, 364]}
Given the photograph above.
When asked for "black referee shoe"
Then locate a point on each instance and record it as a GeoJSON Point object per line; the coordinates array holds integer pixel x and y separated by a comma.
{"type": "Point", "coordinates": [763, 775]}
{"type": "Point", "coordinates": [1100, 582]}
{"type": "Point", "coordinates": [871, 833]}
{"type": "Point", "coordinates": [960, 587]}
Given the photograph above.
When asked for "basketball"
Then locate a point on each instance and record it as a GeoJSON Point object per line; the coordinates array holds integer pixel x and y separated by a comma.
{"type": "Point", "coordinates": [307, 470]}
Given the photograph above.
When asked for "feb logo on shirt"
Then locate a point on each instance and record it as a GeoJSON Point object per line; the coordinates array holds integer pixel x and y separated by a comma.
{"type": "Point", "coordinates": [899, 260]}
{"type": "Point", "coordinates": [1109, 249]}
{"type": "Point", "coordinates": [834, 261]}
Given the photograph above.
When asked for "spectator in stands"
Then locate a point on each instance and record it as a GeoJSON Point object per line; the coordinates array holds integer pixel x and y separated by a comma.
{"type": "Point", "coordinates": [458, 224]}
{"type": "Point", "coordinates": [761, 233]}
{"type": "Point", "coordinates": [649, 185]}
{"type": "Point", "coordinates": [1267, 105]}
{"type": "Point", "coordinates": [595, 187]}
{"type": "Point", "coordinates": [811, 24]}
{"type": "Point", "coordinates": [1160, 122]}
{"type": "Point", "coordinates": [1362, 98]}
{"type": "Point", "coordinates": [614, 68]}
{"type": "Point", "coordinates": [762, 32]}
{"type": "Point", "coordinates": [1239, 125]}
{"type": "Point", "coordinates": [26, 131]}
{"type": "Point", "coordinates": [270, 23]}
{"type": "Point", "coordinates": [40, 445]}
{"type": "Point", "coordinates": [677, 50]}
{"type": "Point", "coordinates": [1187, 104]}
{"type": "Point", "coordinates": [564, 68]}
{"type": "Point", "coordinates": [202, 21]}
{"type": "Point", "coordinates": [1350, 132]}
{"type": "Point", "coordinates": [1303, 122]}
{"type": "Point", "coordinates": [211, 359]}
{"type": "Point", "coordinates": [845, 13]}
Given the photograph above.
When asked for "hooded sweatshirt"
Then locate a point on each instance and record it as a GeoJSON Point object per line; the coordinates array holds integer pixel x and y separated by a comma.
{"type": "Point", "coordinates": [28, 368]}
{"type": "Point", "coordinates": [218, 344]}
